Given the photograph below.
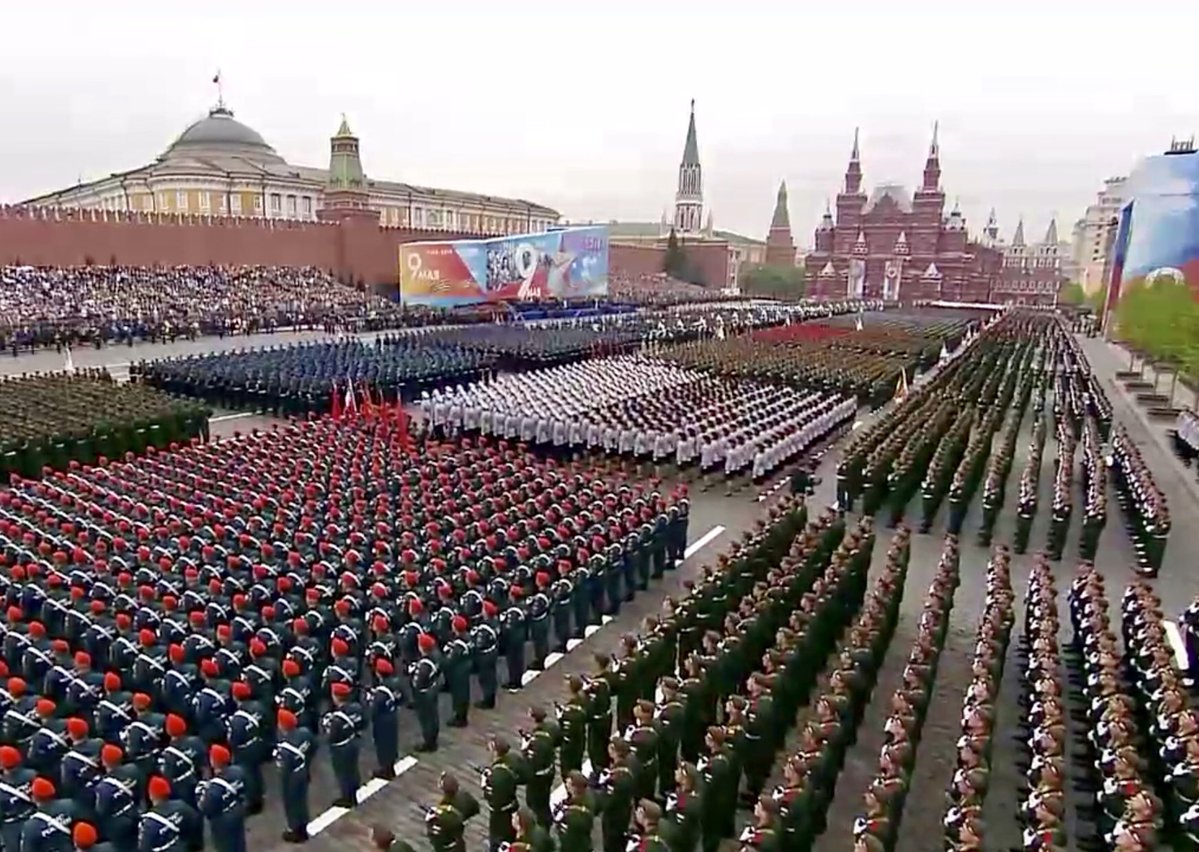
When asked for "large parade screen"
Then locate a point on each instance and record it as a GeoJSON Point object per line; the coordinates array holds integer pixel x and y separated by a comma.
{"type": "Point", "coordinates": [1158, 234]}
{"type": "Point", "coordinates": [561, 264]}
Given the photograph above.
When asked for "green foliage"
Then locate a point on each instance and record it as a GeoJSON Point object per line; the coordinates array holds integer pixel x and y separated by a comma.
{"type": "Point", "coordinates": [1098, 299]}
{"type": "Point", "coordinates": [674, 262]}
{"type": "Point", "coordinates": [1072, 294]}
{"type": "Point", "coordinates": [1161, 319]}
{"type": "Point", "coordinates": [779, 282]}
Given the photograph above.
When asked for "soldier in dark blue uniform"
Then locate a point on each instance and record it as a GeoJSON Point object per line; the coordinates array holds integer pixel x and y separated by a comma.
{"type": "Point", "coordinates": [48, 744]}
{"type": "Point", "coordinates": [181, 760]}
{"type": "Point", "coordinates": [457, 666]}
{"type": "Point", "coordinates": [515, 631]}
{"type": "Point", "coordinates": [485, 639]}
{"type": "Point", "coordinates": [539, 621]}
{"type": "Point", "coordinates": [48, 828]}
{"type": "Point", "coordinates": [80, 767]}
{"type": "Point", "coordinates": [343, 728]}
{"type": "Point", "coordinates": [221, 801]}
{"type": "Point", "coordinates": [561, 594]}
{"type": "Point", "coordinates": [168, 825]}
{"type": "Point", "coordinates": [247, 739]}
{"type": "Point", "coordinates": [117, 798]}
{"type": "Point", "coordinates": [425, 676]}
{"type": "Point", "coordinates": [16, 803]}
{"type": "Point", "coordinates": [385, 697]}
{"type": "Point", "coordinates": [293, 754]}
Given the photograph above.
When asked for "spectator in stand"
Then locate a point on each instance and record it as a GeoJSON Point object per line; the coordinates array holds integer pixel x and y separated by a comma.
{"type": "Point", "coordinates": [57, 306]}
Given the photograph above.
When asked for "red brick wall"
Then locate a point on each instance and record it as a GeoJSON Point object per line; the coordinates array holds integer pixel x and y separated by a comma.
{"type": "Point", "coordinates": [634, 260]}
{"type": "Point", "coordinates": [711, 263]}
{"type": "Point", "coordinates": [356, 250]}
{"type": "Point", "coordinates": [709, 260]}
{"type": "Point", "coordinates": [145, 242]}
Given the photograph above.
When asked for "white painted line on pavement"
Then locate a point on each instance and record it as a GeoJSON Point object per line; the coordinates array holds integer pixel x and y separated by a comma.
{"type": "Point", "coordinates": [1180, 648]}
{"type": "Point", "coordinates": [571, 644]}
{"type": "Point", "coordinates": [367, 790]}
{"type": "Point", "coordinates": [559, 794]}
{"type": "Point", "coordinates": [326, 819]}
{"type": "Point", "coordinates": [552, 658]}
{"type": "Point", "coordinates": [702, 542]}
{"type": "Point", "coordinates": [238, 416]}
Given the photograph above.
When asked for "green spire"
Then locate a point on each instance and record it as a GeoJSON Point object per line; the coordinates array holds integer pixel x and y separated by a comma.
{"type": "Point", "coordinates": [781, 218]}
{"type": "Point", "coordinates": [345, 167]}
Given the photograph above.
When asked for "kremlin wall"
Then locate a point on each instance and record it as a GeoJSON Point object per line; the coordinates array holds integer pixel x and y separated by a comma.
{"type": "Point", "coordinates": [356, 249]}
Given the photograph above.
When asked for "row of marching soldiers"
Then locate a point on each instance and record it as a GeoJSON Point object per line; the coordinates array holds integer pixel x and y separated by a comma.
{"type": "Point", "coordinates": [968, 787]}
{"type": "Point", "coordinates": [1168, 722]}
{"type": "Point", "coordinates": [1129, 809]}
{"type": "Point", "coordinates": [877, 828]}
{"type": "Point", "coordinates": [691, 745]}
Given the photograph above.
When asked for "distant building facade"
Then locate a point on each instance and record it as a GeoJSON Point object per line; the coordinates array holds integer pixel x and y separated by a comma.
{"type": "Point", "coordinates": [898, 246]}
{"type": "Point", "coordinates": [1094, 233]}
{"type": "Point", "coordinates": [1032, 272]}
{"type": "Point", "coordinates": [901, 246]}
{"type": "Point", "coordinates": [221, 167]}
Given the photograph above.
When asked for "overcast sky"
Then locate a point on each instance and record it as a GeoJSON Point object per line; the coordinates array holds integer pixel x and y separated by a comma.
{"type": "Point", "coordinates": [583, 105]}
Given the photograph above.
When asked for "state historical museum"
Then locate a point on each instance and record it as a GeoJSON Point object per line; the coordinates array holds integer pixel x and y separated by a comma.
{"type": "Point", "coordinates": [892, 245]}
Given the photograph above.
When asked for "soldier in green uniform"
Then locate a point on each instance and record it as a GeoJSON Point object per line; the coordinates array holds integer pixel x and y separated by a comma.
{"type": "Point", "coordinates": [643, 736]}
{"type": "Point", "coordinates": [618, 790]}
{"type": "Point", "coordinates": [761, 733]}
{"type": "Point", "coordinates": [681, 820]}
{"type": "Point", "coordinates": [764, 835]}
{"type": "Point", "coordinates": [444, 828]}
{"type": "Point", "coordinates": [624, 677]}
{"type": "Point", "coordinates": [445, 822]}
{"type": "Point", "coordinates": [530, 836]}
{"type": "Point", "coordinates": [538, 747]}
{"type": "Point", "coordinates": [647, 820]}
{"type": "Point", "coordinates": [572, 726]}
{"type": "Point", "coordinates": [796, 804]}
{"type": "Point", "coordinates": [385, 841]}
{"type": "Point", "coordinates": [599, 715]}
{"type": "Point", "coordinates": [575, 816]}
{"type": "Point", "coordinates": [500, 782]}
{"type": "Point", "coordinates": [697, 713]}
{"type": "Point", "coordinates": [720, 789]}
{"type": "Point", "coordinates": [668, 718]}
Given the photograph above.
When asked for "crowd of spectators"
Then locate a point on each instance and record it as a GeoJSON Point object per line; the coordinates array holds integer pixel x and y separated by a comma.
{"type": "Point", "coordinates": [659, 289]}
{"type": "Point", "coordinates": [73, 305]}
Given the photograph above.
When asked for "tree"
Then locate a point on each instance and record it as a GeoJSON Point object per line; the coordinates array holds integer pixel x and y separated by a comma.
{"type": "Point", "coordinates": [674, 262]}
{"type": "Point", "coordinates": [1072, 294]}
{"type": "Point", "coordinates": [1161, 320]}
{"type": "Point", "coordinates": [780, 282]}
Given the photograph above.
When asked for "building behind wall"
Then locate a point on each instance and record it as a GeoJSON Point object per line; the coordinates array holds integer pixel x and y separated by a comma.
{"type": "Point", "coordinates": [219, 166]}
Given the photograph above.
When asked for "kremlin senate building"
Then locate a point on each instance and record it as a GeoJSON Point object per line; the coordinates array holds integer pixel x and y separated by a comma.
{"type": "Point", "coordinates": [219, 166]}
